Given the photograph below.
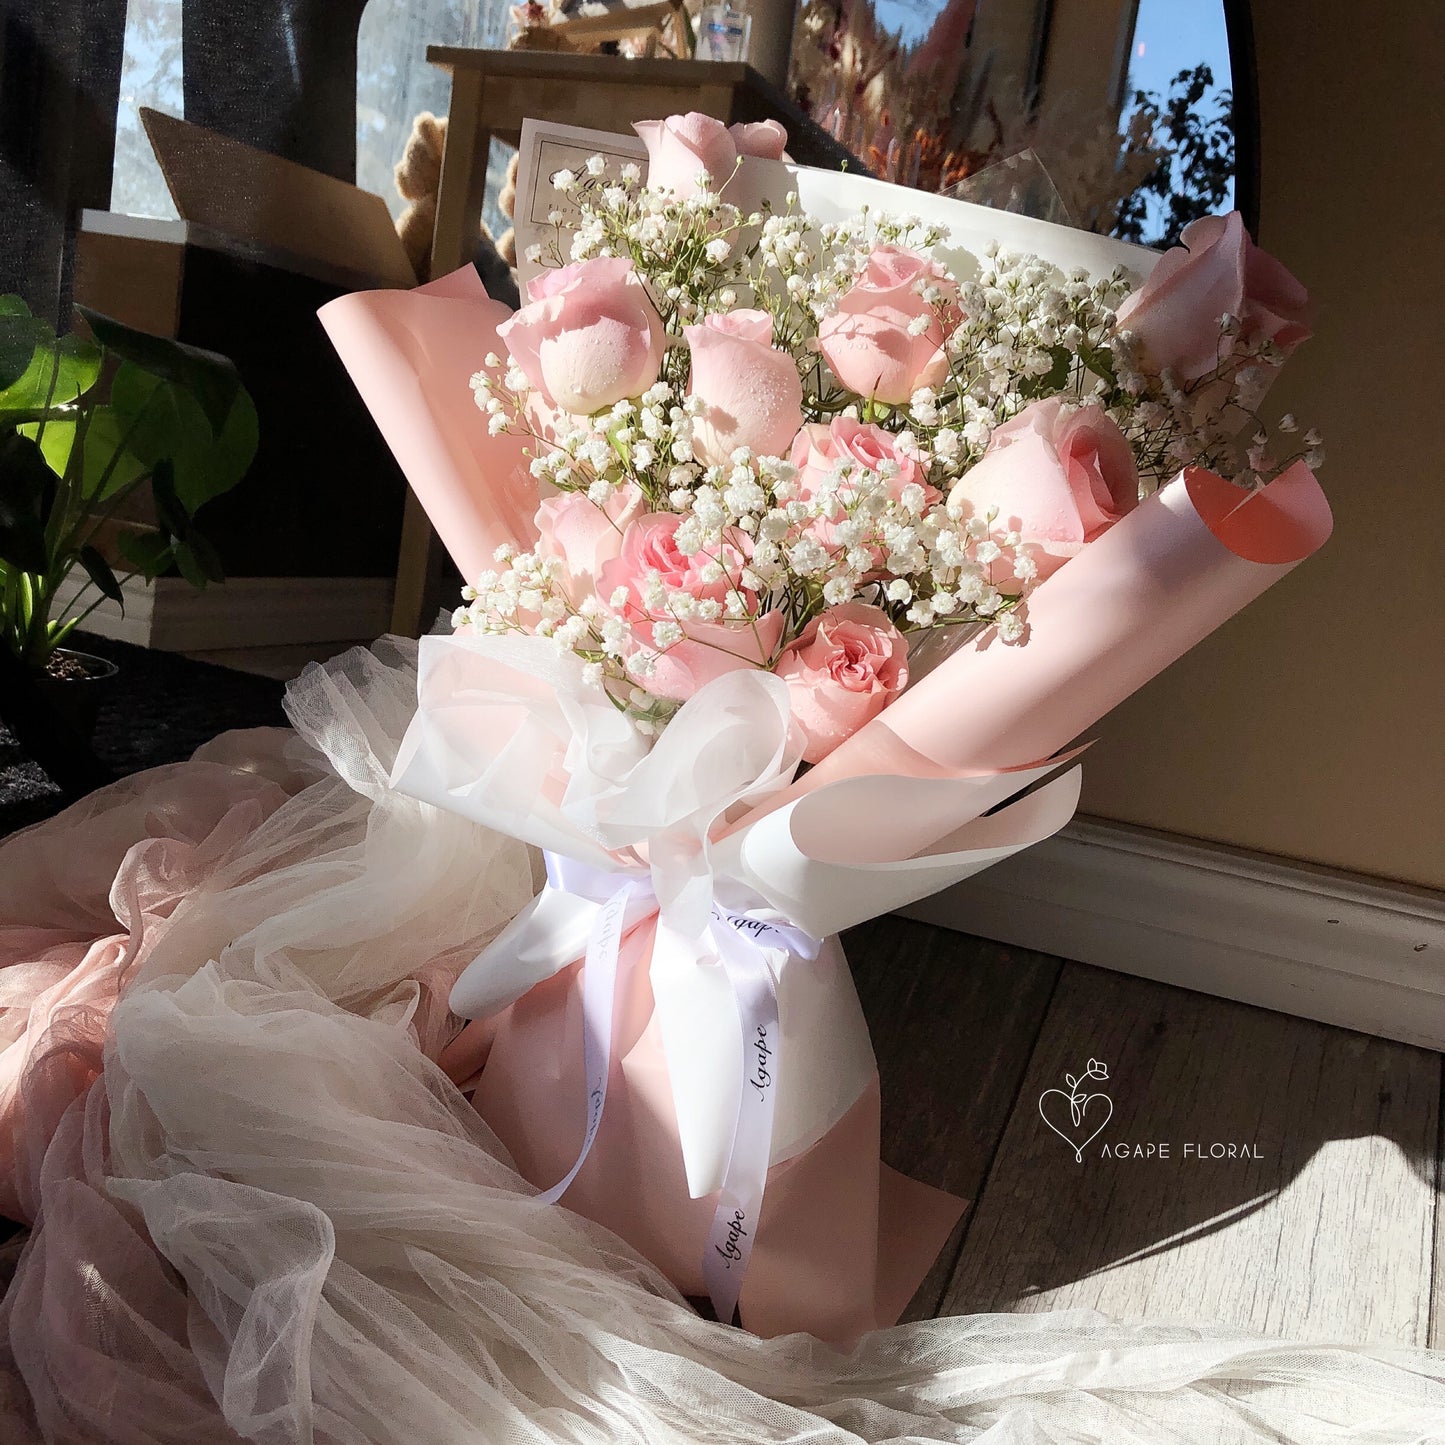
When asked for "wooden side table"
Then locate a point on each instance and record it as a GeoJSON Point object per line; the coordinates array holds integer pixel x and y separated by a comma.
{"type": "Point", "coordinates": [493, 91]}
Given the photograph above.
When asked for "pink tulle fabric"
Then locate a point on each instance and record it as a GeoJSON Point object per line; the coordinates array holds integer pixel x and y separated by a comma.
{"type": "Point", "coordinates": [259, 1210]}
{"type": "Point", "coordinates": [81, 897]}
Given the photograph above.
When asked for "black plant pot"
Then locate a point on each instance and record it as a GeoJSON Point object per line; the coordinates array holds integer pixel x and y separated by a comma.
{"type": "Point", "coordinates": [38, 711]}
{"type": "Point", "coordinates": [77, 685]}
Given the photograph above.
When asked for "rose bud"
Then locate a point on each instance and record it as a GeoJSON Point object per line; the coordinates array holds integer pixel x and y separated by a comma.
{"type": "Point", "coordinates": [819, 450]}
{"type": "Point", "coordinates": [765, 139]}
{"type": "Point", "coordinates": [650, 556]}
{"type": "Point", "coordinates": [583, 536]}
{"type": "Point", "coordinates": [751, 391]}
{"type": "Point", "coordinates": [588, 336]}
{"type": "Point", "coordinates": [682, 148]}
{"type": "Point", "coordinates": [1216, 271]}
{"type": "Point", "coordinates": [885, 341]}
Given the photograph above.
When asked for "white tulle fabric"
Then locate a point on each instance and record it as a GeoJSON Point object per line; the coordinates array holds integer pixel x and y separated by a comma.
{"type": "Point", "coordinates": [271, 1217]}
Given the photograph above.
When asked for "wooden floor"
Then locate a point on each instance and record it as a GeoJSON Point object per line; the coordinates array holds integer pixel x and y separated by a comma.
{"type": "Point", "coordinates": [1321, 1220]}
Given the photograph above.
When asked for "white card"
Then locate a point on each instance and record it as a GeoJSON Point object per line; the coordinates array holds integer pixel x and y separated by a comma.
{"type": "Point", "coordinates": [546, 149]}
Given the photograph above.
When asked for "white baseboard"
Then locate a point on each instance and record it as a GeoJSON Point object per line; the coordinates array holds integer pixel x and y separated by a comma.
{"type": "Point", "coordinates": [1308, 941]}
{"type": "Point", "coordinates": [173, 616]}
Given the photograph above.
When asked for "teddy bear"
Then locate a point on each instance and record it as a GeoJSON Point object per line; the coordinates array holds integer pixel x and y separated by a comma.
{"type": "Point", "coordinates": [418, 178]}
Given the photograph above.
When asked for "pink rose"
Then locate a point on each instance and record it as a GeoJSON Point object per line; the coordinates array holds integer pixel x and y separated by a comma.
{"type": "Point", "coordinates": [1217, 270]}
{"type": "Point", "coordinates": [847, 666]}
{"type": "Point", "coordinates": [766, 139]}
{"type": "Point", "coordinates": [1058, 478]}
{"type": "Point", "coordinates": [588, 336]}
{"type": "Point", "coordinates": [649, 546]}
{"type": "Point", "coordinates": [684, 147]}
{"type": "Point", "coordinates": [711, 649]}
{"type": "Point", "coordinates": [820, 450]}
{"type": "Point", "coordinates": [650, 554]}
{"type": "Point", "coordinates": [752, 393]}
{"type": "Point", "coordinates": [584, 536]}
{"type": "Point", "coordinates": [867, 340]}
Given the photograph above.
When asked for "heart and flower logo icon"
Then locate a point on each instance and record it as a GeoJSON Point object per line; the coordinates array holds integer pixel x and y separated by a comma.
{"type": "Point", "coordinates": [1078, 1116]}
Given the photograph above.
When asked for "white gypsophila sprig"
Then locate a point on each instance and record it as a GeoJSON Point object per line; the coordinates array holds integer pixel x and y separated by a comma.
{"type": "Point", "coordinates": [683, 249]}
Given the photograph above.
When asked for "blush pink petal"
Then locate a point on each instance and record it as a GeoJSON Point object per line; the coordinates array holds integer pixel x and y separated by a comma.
{"type": "Point", "coordinates": [751, 391]}
{"type": "Point", "coordinates": [765, 138]}
{"type": "Point", "coordinates": [1217, 269]}
{"type": "Point", "coordinates": [1102, 473]}
{"type": "Point", "coordinates": [590, 336]}
{"type": "Point", "coordinates": [1059, 480]}
{"type": "Point", "coordinates": [557, 280]}
{"type": "Point", "coordinates": [583, 536]}
{"type": "Point", "coordinates": [820, 449]}
{"type": "Point", "coordinates": [867, 341]}
{"type": "Point", "coordinates": [1029, 488]}
{"type": "Point", "coordinates": [845, 668]}
{"type": "Point", "coordinates": [683, 147]}
{"type": "Point", "coordinates": [746, 325]}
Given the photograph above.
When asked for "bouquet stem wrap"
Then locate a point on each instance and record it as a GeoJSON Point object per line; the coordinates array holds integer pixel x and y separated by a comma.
{"type": "Point", "coordinates": [410, 354]}
{"type": "Point", "coordinates": [700, 954]}
{"type": "Point", "coordinates": [749, 949]}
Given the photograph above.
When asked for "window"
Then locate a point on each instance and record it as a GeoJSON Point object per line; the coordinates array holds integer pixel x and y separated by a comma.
{"type": "Point", "coordinates": [394, 83]}
{"type": "Point", "coordinates": [150, 74]}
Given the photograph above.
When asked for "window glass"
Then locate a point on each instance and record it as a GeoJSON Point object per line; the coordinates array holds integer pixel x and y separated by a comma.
{"type": "Point", "coordinates": [1127, 106]}
{"type": "Point", "coordinates": [150, 75]}
{"type": "Point", "coordinates": [394, 83]}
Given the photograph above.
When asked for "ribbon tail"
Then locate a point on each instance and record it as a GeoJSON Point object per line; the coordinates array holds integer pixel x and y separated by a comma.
{"type": "Point", "coordinates": [740, 1200]}
{"type": "Point", "coordinates": [599, 1004]}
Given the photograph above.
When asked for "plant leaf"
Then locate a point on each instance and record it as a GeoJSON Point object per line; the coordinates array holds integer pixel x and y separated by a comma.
{"type": "Point", "coordinates": [207, 558]}
{"type": "Point", "coordinates": [173, 518]}
{"type": "Point", "coordinates": [170, 423]}
{"type": "Point", "coordinates": [227, 460]}
{"type": "Point", "coordinates": [57, 442]}
{"type": "Point", "coordinates": [98, 479]}
{"type": "Point", "coordinates": [148, 552]}
{"type": "Point", "coordinates": [78, 371]}
{"type": "Point", "coordinates": [27, 487]}
{"type": "Point", "coordinates": [20, 334]}
{"type": "Point", "coordinates": [189, 566]}
{"type": "Point", "coordinates": [212, 379]}
{"type": "Point", "coordinates": [98, 570]}
{"type": "Point", "coordinates": [105, 443]}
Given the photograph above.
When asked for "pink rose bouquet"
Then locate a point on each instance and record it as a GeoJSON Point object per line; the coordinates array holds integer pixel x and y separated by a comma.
{"type": "Point", "coordinates": [823, 416]}
{"type": "Point", "coordinates": [842, 531]}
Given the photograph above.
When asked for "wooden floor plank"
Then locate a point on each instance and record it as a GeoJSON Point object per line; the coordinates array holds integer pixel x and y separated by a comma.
{"type": "Point", "coordinates": [954, 1020]}
{"type": "Point", "coordinates": [1328, 1233]}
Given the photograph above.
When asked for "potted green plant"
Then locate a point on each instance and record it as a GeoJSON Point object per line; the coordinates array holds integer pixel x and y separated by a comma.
{"type": "Point", "coordinates": [87, 423]}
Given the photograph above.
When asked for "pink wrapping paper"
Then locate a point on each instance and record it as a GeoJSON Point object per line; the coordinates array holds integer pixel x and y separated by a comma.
{"type": "Point", "coordinates": [883, 1230]}
{"type": "Point", "coordinates": [412, 355]}
{"type": "Point", "coordinates": [1138, 598]}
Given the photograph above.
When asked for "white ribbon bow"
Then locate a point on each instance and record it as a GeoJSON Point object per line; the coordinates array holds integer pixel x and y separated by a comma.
{"type": "Point", "coordinates": [509, 734]}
